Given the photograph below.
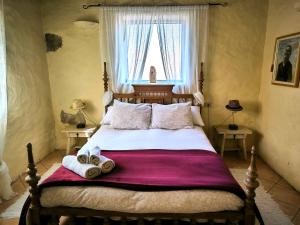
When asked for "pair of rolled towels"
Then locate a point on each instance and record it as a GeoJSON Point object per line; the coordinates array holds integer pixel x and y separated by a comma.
{"type": "Point", "coordinates": [88, 163]}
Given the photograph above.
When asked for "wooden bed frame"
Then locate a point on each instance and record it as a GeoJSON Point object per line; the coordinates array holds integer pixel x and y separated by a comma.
{"type": "Point", "coordinates": [142, 93]}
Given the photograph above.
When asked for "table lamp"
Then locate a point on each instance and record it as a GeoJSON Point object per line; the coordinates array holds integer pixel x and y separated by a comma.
{"type": "Point", "coordinates": [233, 106]}
{"type": "Point", "coordinates": [79, 105]}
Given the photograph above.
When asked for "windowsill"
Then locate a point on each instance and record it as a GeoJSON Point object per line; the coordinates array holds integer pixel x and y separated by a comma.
{"type": "Point", "coordinates": [158, 82]}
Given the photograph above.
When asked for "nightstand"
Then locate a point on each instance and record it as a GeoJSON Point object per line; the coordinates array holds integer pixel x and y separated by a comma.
{"type": "Point", "coordinates": [239, 135]}
{"type": "Point", "coordinates": [73, 133]}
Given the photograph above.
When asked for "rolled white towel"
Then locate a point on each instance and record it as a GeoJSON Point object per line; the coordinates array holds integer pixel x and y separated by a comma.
{"type": "Point", "coordinates": [83, 155]}
{"type": "Point", "coordinates": [106, 164]}
{"type": "Point", "coordinates": [94, 157]}
{"type": "Point", "coordinates": [88, 171]}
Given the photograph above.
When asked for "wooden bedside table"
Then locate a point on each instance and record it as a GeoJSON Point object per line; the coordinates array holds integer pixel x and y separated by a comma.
{"type": "Point", "coordinates": [73, 133]}
{"type": "Point", "coordinates": [240, 134]}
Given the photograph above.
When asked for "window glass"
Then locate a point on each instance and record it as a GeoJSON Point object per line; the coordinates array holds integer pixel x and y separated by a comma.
{"type": "Point", "coordinates": [154, 58]}
{"type": "Point", "coordinates": [154, 55]}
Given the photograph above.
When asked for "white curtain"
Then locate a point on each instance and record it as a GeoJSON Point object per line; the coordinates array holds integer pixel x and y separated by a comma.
{"type": "Point", "coordinates": [183, 41]}
{"type": "Point", "coordinates": [126, 31]}
{"type": "Point", "coordinates": [5, 180]}
{"type": "Point", "coordinates": [182, 35]}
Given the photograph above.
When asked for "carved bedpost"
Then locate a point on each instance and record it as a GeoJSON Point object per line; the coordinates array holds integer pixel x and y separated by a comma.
{"type": "Point", "coordinates": [105, 78]}
{"type": "Point", "coordinates": [32, 179]}
{"type": "Point", "coordinates": [201, 78]}
{"type": "Point", "coordinates": [251, 184]}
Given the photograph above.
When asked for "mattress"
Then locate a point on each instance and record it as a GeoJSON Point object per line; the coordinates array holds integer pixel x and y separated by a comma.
{"type": "Point", "coordinates": [116, 199]}
{"type": "Point", "coordinates": [121, 200]}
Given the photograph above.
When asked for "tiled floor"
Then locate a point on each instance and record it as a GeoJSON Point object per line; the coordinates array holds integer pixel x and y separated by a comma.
{"type": "Point", "coordinates": [287, 197]}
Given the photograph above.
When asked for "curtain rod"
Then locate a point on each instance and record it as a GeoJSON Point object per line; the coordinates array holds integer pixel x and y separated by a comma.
{"type": "Point", "coordinates": [172, 4]}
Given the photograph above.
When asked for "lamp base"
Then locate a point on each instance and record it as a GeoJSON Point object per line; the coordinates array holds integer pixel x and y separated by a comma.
{"type": "Point", "coordinates": [233, 127]}
{"type": "Point", "coordinates": [80, 125]}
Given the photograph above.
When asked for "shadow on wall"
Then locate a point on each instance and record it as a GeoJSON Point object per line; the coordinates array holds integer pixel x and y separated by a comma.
{"type": "Point", "coordinates": [252, 107]}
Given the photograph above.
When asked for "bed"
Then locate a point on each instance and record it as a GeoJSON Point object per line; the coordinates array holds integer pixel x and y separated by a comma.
{"type": "Point", "coordinates": [48, 203]}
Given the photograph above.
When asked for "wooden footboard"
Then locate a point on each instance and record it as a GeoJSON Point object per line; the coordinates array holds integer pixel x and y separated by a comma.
{"type": "Point", "coordinates": [36, 212]}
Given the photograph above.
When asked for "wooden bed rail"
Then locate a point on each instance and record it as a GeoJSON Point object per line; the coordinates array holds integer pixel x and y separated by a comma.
{"type": "Point", "coordinates": [36, 212]}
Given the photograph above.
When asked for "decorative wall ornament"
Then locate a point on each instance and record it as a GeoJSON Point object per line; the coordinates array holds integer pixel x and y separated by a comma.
{"type": "Point", "coordinates": [53, 42]}
{"type": "Point", "coordinates": [286, 60]}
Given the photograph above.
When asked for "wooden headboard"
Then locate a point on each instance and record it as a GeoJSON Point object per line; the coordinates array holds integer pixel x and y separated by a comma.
{"type": "Point", "coordinates": [153, 93]}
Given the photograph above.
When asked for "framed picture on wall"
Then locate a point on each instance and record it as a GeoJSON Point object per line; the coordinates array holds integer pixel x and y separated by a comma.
{"type": "Point", "coordinates": [286, 60]}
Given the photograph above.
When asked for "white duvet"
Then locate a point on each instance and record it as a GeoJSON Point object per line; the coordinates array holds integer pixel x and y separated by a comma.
{"type": "Point", "coordinates": [115, 199]}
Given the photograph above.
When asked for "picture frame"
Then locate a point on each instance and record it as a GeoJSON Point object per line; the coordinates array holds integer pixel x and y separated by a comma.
{"type": "Point", "coordinates": [286, 60]}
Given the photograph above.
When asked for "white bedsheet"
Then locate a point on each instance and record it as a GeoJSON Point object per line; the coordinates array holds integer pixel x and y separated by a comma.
{"type": "Point", "coordinates": [108, 138]}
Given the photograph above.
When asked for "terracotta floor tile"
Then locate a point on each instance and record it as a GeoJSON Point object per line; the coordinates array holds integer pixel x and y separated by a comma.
{"type": "Point", "coordinates": [286, 194]}
{"type": "Point", "coordinates": [9, 221]}
{"type": "Point", "coordinates": [267, 173]}
{"type": "Point", "coordinates": [233, 160]}
{"type": "Point", "coordinates": [288, 209]}
{"type": "Point", "coordinates": [296, 220]}
{"type": "Point", "coordinates": [18, 186]}
{"type": "Point", "coordinates": [267, 184]}
{"type": "Point", "coordinates": [284, 184]}
{"type": "Point", "coordinates": [41, 168]}
{"type": "Point", "coordinates": [54, 157]}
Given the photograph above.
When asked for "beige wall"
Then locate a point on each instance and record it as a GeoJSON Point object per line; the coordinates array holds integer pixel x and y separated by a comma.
{"type": "Point", "coordinates": [279, 120]}
{"type": "Point", "coordinates": [75, 70]}
{"type": "Point", "coordinates": [236, 42]}
{"type": "Point", "coordinates": [30, 111]}
{"type": "Point", "coordinates": [233, 71]}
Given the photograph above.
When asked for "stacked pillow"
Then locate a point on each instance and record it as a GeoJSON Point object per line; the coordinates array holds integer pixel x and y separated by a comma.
{"type": "Point", "coordinates": [172, 117]}
{"type": "Point", "coordinates": [144, 116]}
{"type": "Point", "coordinates": [131, 116]}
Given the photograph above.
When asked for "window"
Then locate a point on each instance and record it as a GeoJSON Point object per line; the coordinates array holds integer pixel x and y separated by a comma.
{"type": "Point", "coordinates": [155, 55]}
{"type": "Point", "coordinates": [172, 39]}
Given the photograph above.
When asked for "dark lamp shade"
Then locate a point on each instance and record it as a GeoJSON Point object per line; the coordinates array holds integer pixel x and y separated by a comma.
{"type": "Point", "coordinates": [234, 105]}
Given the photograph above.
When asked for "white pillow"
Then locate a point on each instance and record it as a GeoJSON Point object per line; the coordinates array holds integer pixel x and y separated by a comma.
{"type": "Point", "coordinates": [197, 119]}
{"type": "Point", "coordinates": [173, 116]}
{"type": "Point", "coordinates": [107, 117]}
{"type": "Point", "coordinates": [130, 116]}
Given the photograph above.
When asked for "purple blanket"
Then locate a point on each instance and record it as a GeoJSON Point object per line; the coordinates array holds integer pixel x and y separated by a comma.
{"type": "Point", "coordinates": [159, 170]}
{"type": "Point", "coordinates": [149, 170]}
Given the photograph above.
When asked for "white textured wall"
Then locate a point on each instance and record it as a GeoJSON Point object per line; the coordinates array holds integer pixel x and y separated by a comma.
{"type": "Point", "coordinates": [75, 70]}
{"type": "Point", "coordinates": [235, 53]}
{"type": "Point", "coordinates": [279, 120]}
{"type": "Point", "coordinates": [29, 103]}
